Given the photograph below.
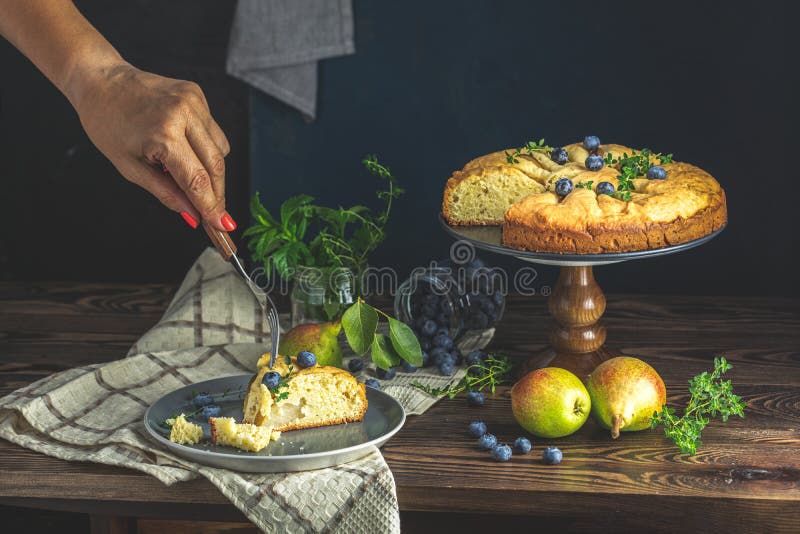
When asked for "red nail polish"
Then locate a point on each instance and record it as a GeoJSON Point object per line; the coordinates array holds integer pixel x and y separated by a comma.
{"type": "Point", "coordinates": [189, 219]}
{"type": "Point", "coordinates": [228, 223]}
{"type": "Point", "coordinates": [164, 169]}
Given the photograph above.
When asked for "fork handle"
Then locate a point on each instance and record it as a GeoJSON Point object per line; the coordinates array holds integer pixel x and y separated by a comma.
{"type": "Point", "coordinates": [221, 241]}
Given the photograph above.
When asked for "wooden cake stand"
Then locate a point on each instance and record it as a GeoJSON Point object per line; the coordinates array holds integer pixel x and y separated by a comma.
{"type": "Point", "coordinates": [577, 337]}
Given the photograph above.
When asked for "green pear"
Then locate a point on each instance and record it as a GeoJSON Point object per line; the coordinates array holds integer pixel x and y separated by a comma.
{"type": "Point", "coordinates": [550, 402]}
{"type": "Point", "coordinates": [320, 338]}
{"type": "Point", "coordinates": [625, 393]}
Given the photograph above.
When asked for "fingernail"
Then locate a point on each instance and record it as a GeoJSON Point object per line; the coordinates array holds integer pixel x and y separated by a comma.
{"type": "Point", "coordinates": [228, 223]}
{"type": "Point", "coordinates": [164, 169]}
{"type": "Point", "coordinates": [191, 221]}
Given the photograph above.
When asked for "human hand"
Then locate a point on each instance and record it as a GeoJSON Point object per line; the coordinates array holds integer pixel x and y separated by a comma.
{"type": "Point", "coordinates": [159, 134]}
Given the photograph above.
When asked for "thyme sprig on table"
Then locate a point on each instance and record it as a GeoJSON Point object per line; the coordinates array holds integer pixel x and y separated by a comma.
{"type": "Point", "coordinates": [529, 148]}
{"type": "Point", "coordinates": [710, 396]}
{"type": "Point", "coordinates": [485, 375]}
{"type": "Point", "coordinates": [631, 167]}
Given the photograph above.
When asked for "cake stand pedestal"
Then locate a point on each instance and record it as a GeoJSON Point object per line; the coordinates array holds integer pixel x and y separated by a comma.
{"type": "Point", "coordinates": [576, 303]}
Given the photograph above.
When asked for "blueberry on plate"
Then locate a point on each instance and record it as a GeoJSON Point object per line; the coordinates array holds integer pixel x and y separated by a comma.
{"type": "Point", "coordinates": [551, 455]}
{"type": "Point", "coordinates": [563, 187]}
{"type": "Point", "coordinates": [428, 328]}
{"type": "Point", "coordinates": [271, 379]}
{"type": "Point", "coordinates": [476, 398]}
{"type": "Point", "coordinates": [477, 429]}
{"type": "Point", "coordinates": [444, 341]}
{"type": "Point", "coordinates": [212, 410]}
{"type": "Point", "coordinates": [501, 453]}
{"type": "Point", "coordinates": [523, 445]}
{"type": "Point", "coordinates": [656, 172]}
{"type": "Point", "coordinates": [372, 383]}
{"type": "Point", "coordinates": [202, 399]}
{"type": "Point", "coordinates": [604, 188]}
{"type": "Point", "coordinates": [446, 368]}
{"type": "Point", "coordinates": [559, 155]}
{"type": "Point", "coordinates": [591, 143]}
{"type": "Point", "coordinates": [594, 162]}
{"type": "Point", "coordinates": [385, 374]}
{"type": "Point", "coordinates": [355, 365]}
{"type": "Point", "coordinates": [306, 359]}
{"type": "Point", "coordinates": [487, 441]}
{"type": "Point", "coordinates": [408, 368]}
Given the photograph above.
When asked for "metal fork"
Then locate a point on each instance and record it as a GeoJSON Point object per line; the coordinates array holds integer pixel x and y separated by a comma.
{"type": "Point", "coordinates": [224, 245]}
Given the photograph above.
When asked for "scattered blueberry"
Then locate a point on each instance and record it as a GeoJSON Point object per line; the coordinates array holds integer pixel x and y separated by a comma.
{"type": "Point", "coordinates": [384, 374]}
{"type": "Point", "coordinates": [447, 368]}
{"type": "Point", "coordinates": [306, 359]}
{"type": "Point", "coordinates": [428, 328]}
{"type": "Point", "coordinates": [443, 341]}
{"type": "Point", "coordinates": [591, 143]}
{"type": "Point", "coordinates": [212, 410]}
{"type": "Point", "coordinates": [523, 445]}
{"type": "Point", "coordinates": [436, 355]}
{"type": "Point", "coordinates": [604, 188]}
{"type": "Point", "coordinates": [372, 383]}
{"type": "Point", "coordinates": [271, 380]}
{"type": "Point", "coordinates": [559, 155]}
{"type": "Point", "coordinates": [202, 399]}
{"type": "Point", "coordinates": [477, 428]}
{"type": "Point", "coordinates": [487, 441]}
{"type": "Point", "coordinates": [408, 368]}
{"type": "Point", "coordinates": [656, 173]}
{"type": "Point", "coordinates": [475, 398]}
{"type": "Point", "coordinates": [426, 359]}
{"type": "Point", "coordinates": [501, 453]}
{"type": "Point", "coordinates": [355, 365]}
{"type": "Point", "coordinates": [475, 357]}
{"type": "Point", "coordinates": [594, 162]}
{"type": "Point", "coordinates": [552, 455]}
{"type": "Point", "coordinates": [458, 357]}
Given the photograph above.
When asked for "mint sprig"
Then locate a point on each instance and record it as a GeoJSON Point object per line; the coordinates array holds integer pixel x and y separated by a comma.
{"type": "Point", "coordinates": [360, 323]}
{"type": "Point", "coordinates": [710, 396]}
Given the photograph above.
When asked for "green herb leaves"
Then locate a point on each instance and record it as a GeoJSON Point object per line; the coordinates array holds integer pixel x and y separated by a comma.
{"type": "Point", "coordinates": [710, 396]}
{"type": "Point", "coordinates": [529, 148]}
{"type": "Point", "coordinates": [585, 185]}
{"type": "Point", "coordinates": [360, 323]}
{"type": "Point", "coordinates": [632, 167]}
{"type": "Point", "coordinates": [486, 375]}
{"type": "Point", "coordinates": [307, 235]}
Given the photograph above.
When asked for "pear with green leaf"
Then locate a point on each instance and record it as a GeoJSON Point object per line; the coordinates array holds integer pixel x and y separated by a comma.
{"type": "Point", "coordinates": [320, 338]}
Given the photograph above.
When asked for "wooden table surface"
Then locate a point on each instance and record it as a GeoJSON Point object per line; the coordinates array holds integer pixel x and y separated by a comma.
{"type": "Point", "coordinates": [746, 474]}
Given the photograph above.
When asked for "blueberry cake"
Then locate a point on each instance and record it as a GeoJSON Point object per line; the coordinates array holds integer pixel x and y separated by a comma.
{"type": "Point", "coordinates": [588, 198]}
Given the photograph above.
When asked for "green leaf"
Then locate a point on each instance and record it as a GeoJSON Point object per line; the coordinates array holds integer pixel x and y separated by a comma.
{"type": "Point", "coordinates": [383, 354]}
{"type": "Point", "coordinates": [359, 322]}
{"type": "Point", "coordinates": [405, 343]}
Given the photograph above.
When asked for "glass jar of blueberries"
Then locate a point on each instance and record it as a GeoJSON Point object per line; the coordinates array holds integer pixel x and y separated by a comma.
{"type": "Point", "coordinates": [447, 301]}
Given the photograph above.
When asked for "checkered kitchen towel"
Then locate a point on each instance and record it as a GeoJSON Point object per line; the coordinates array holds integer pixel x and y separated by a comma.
{"type": "Point", "coordinates": [212, 328]}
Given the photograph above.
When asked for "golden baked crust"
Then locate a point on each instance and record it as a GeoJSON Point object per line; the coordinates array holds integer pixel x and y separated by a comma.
{"type": "Point", "coordinates": [260, 409]}
{"type": "Point", "coordinates": [685, 206]}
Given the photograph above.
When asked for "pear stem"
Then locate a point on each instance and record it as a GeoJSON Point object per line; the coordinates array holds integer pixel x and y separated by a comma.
{"type": "Point", "coordinates": [616, 424]}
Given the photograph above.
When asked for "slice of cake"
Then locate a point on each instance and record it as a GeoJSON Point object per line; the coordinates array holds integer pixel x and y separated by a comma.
{"type": "Point", "coordinates": [226, 431]}
{"type": "Point", "coordinates": [306, 398]}
{"type": "Point", "coordinates": [185, 432]}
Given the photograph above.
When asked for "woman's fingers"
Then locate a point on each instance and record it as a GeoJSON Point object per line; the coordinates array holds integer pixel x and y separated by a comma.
{"type": "Point", "coordinates": [195, 180]}
{"type": "Point", "coordinates": [209, 154]}
{"type": "Point", "coordinates": [164, 188]}
{"type": "Point", "coordinates": [218, 136]}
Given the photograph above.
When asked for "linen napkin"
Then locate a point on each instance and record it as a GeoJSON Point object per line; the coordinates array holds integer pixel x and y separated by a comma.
{"type": "Point", "coordinates": [213, 327]}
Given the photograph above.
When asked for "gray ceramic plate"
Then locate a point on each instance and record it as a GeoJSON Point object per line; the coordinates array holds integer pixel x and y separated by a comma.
{"type": "Point", "coordinates": [297, 450]}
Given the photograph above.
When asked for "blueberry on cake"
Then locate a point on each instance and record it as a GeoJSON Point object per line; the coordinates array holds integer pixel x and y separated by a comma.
{"type": "Point", "coordinates": [298, 393]}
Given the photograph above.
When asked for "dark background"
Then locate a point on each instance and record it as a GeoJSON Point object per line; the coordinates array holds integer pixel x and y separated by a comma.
{"type": "Point", "coordinates": [432, 85]}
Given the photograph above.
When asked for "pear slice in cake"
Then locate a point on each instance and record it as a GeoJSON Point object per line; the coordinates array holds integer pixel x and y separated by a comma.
{"type": "Point", "coordinates": [308, 398]}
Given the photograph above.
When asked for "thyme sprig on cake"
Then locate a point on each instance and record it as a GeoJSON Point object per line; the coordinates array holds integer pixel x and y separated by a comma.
{"type": "Point", "coordinates": [487, 374]}
{"type": "Point", "coordinates": [710, 396]}
{"type": "Point", "coordinates": [585, 185]}
{"type": "Point", "coordinates": [631, 167]}
{"type": "Point", "coordinates": [529, 148]}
